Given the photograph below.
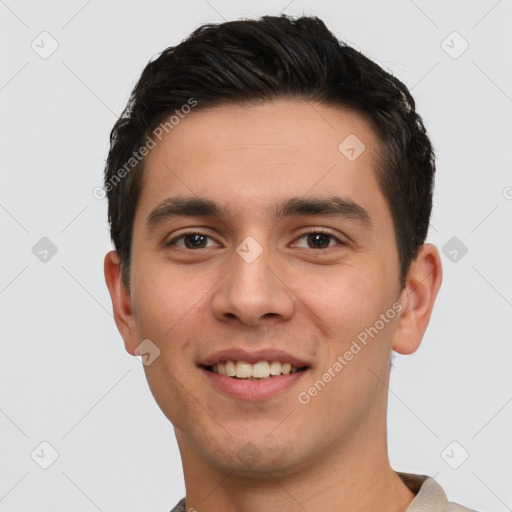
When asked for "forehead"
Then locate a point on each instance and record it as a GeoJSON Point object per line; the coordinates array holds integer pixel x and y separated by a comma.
{"type": "Point", "coordinates": [258, 154]}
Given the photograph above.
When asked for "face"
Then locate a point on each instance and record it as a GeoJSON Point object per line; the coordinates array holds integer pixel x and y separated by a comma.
{"type": "Point", "coordinates": [289, 257]}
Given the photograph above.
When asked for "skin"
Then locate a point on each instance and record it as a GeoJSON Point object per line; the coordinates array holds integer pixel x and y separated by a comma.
{"type": "Point", "coordinates": [330, 454]}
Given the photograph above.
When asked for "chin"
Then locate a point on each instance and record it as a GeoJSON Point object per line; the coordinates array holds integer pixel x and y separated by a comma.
{"type": "Point", "coordinates": [255, 458]}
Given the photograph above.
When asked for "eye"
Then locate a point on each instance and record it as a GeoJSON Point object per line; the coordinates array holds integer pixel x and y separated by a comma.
{"type": "Point", "coordinates": [319, 240]}
{"type": "Point", "coordinates": [191, 241]}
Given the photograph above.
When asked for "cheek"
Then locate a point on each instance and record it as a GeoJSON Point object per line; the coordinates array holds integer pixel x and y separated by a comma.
{"type": "Point", "coordinates": [161, 302]}
{"type": "Point", "coordinates": [348, 308]}
{"type": "Point", "coordinates": [169, 311]}
{"type": "Point", "coordinates": [344, 300]}
{"type": "Point", "coordinates": [172, 309]}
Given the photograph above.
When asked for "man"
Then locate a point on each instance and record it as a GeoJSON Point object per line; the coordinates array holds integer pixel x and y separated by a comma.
{"type": "Point", "coordinates": [269, 193]}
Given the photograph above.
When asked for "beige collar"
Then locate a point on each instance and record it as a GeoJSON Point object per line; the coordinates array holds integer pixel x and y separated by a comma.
{"type": "Point", "coordinates": [429, 494]}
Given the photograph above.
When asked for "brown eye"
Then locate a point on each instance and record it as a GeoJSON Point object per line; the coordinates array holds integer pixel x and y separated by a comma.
{"type": "Point", "coordinates": [195, 241]}
{"type": "Point", "coordinates": [191, 241]}
{"type": "Point", "coordinates": [319, 240]}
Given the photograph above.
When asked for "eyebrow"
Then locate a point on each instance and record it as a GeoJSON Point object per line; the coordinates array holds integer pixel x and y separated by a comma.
{"type": "Point", "coordinates": [183, 206]}
{"type": "Point", "coordinates": [295, 206]}
{"type": "Point", "coordinates": [329, 206]}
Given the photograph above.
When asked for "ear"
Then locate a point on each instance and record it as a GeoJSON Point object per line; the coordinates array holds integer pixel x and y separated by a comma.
{"type": "Point", "coordinates": [121, 302]}
{"type": "Point", "coordinates": [417, 298]}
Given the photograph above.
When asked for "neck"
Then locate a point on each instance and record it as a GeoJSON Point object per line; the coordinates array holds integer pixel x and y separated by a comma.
{"type": "Point", "coordinates": [356, 477]}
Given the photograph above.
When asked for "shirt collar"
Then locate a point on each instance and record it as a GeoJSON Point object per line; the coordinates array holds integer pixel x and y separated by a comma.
{"type": "Point", "coordinates": [429, 494]}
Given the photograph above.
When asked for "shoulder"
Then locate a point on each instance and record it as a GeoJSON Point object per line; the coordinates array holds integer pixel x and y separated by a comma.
{"type": "Point", "coordinates": [180, 507]}
{"type": "Point", "coordinates": [454, 507]}
{"type": "Point", "coordinates": [430, 496]}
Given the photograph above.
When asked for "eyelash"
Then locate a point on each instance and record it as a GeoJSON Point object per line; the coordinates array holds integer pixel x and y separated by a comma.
{"type": "Point", "coordinates": [314, 232]}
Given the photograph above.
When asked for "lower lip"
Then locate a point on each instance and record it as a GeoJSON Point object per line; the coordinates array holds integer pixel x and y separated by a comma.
{"type": "Point", "coordinates": [253, 389]}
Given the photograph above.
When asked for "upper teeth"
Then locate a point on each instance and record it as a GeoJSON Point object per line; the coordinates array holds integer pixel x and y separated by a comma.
{"type": "Point", "coordinates": [260, 370]}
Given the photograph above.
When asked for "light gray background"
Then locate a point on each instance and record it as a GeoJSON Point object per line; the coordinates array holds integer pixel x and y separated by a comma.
{"type": "Point", "coordinates": [65, 377]}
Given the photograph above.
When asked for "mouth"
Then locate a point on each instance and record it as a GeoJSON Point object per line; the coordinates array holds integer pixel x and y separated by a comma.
{"type": "Point", "coordinates": [253, 375]}
{"type": "Point", "coordinates": [261, 370]}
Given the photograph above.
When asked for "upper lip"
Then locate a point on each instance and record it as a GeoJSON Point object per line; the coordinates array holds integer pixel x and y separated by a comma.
{"type": "Point", "coordinates": [252, 357]}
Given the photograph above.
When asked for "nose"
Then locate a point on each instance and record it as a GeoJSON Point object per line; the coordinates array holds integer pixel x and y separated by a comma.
{"type": "Point", "coordinates": [253, 292]}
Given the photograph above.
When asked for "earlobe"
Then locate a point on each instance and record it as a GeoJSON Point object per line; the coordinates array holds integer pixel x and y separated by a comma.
{"type": "Point", "coordinates": [121, 301]}
{"type": "Point", "coordinates": [418, 297]}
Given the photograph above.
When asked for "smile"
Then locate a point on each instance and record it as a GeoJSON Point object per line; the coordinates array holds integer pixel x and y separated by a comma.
{"type": "Point", "coordinates": [251, 388]}
{"type": "Point", "coordinates": [257, 371]}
